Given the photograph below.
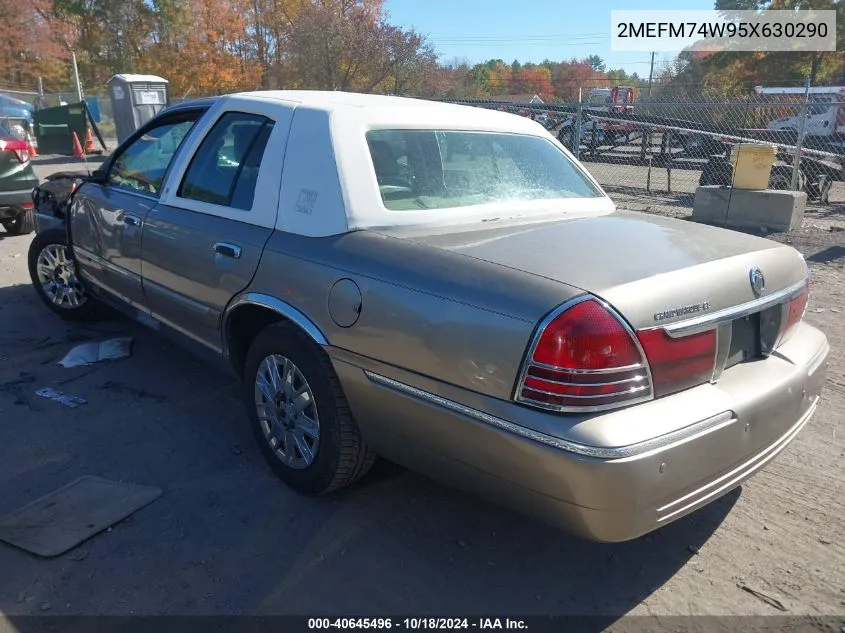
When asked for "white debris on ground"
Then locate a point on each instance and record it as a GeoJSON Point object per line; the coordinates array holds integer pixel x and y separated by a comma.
{"type": "Point", "coordinates": [61, 397]}
{"type": "Point", "coordinates": [96, 352]}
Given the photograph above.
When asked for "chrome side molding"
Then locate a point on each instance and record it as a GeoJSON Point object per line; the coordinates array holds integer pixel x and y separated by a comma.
{"type": "Point", "coordinates": [631, 450]}
{"type": "Point", "coordinates": [276, 305]}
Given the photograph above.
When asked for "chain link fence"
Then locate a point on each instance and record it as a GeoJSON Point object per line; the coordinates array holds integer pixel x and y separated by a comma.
{"type": "Point", "coordinates": [652, 156]}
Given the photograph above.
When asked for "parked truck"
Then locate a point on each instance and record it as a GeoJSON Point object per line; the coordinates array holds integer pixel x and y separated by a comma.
{"type": "Point", "coordinates": [825, 112]}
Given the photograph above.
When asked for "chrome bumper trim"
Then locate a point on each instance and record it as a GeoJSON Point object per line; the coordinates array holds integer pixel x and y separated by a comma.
{"type": "Point", "coordinates": [736, 476]}
{"type": "Point", "coordinates": [709, 321]}
{"type": "Point", "coordinates": [631, 450]}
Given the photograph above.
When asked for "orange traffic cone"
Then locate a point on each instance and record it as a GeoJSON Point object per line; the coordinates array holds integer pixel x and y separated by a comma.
{"type": "Point", "coordinates": [33, 145]}
{"type": "Point", "coordinates": [89, 141]}
{"type": "Point", "coordinates": [77, 147]}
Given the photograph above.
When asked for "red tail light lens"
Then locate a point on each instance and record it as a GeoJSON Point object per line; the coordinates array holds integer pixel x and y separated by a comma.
{"type": "Point", "coordinates": [584, 358]}
{"type": "Point", "coordinates": [19, 148]}
{"type": "Point", "coordinates": [678, 363]}
{"type": "Point", "coordinates": [586, 336]}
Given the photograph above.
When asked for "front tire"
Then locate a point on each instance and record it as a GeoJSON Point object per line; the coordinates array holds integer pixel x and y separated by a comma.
{"type": "Point", "coordinates": [52, 270]}
{"type": "Point", "coordinates": [299, 414]}
{"type": "Point", "coordinates": [23, 224]}
{"type": "Point", "coordinates": [781, 178]}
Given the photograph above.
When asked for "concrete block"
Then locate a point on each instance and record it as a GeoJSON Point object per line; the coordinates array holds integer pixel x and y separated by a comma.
{"type": "Point", "coordinates": [771, 209]}
{"type": "Point", "coordinates": [711, 204]}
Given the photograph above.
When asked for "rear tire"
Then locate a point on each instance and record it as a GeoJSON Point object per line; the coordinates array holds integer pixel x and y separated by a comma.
{"type": "Point", "coordinates": [23, 224]}
{"type": "Point", "coordinates": [301, 420]}
{"type": "Point", "coordinates": [781, 178]}
{"type": "Point", "coordinates": [52, 270]}
{"type": "Point", "coordinates": [716, 171]}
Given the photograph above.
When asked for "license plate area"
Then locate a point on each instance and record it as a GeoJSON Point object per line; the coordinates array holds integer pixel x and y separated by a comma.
{"type": "Point", "coordinates": [754, 336]}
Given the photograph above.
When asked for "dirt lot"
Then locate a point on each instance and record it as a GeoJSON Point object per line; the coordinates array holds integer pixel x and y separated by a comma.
{"type": "Point", "coordinates": [227, 538]}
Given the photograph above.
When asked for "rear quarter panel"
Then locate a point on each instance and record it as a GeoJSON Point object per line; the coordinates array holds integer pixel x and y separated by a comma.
{"type": "Point", "coordinates": [460, 321]}
{"type": "Point", "coordinates": [14, 175]}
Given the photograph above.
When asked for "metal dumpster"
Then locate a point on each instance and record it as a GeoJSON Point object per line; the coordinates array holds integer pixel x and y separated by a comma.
{"type": "Point", "coordinates": [54, 128]}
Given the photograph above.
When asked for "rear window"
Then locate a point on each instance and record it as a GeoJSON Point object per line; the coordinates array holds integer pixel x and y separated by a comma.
{"type": "Point", "coordinates": [436, 169]}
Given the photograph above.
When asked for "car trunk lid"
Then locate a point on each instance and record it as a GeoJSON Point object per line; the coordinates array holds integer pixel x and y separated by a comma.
{"type": "Point", "coordinates": [696, 299]}
{"type": "Point", "coordinates": [653, 270]}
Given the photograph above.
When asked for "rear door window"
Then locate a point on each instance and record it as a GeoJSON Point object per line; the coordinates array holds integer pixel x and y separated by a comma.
{"type": "Point", "coordinates": [224, 169]}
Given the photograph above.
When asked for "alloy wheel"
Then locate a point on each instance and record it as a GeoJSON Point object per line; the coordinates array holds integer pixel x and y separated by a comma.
{"type": "Point", "coordinates": [286, 411]}
{"type": "Point", "coordinates": [57, 275]}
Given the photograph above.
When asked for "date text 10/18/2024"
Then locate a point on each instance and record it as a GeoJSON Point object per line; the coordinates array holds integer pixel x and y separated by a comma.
{"type": "Point", "coordinates": [417, 623]}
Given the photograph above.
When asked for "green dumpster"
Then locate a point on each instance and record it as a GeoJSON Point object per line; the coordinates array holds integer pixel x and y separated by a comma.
{"type": "Point", "coordinates": [54, 128]}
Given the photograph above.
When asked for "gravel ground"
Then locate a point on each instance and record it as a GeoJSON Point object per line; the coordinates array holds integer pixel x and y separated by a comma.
{"type": "Point", "coordinates": [227, 538]}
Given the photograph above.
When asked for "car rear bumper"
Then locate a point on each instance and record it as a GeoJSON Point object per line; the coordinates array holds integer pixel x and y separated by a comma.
{"type": "Point", "coordinates": [11, 202]}
{"type": "Point", "coordinates": [600, 491]}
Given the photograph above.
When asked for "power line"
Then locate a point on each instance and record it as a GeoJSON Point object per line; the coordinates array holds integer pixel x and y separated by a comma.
{"type": "Point", "coordinates": [540, 39]}
{"type": "Point", "coordinates": [511, 36]}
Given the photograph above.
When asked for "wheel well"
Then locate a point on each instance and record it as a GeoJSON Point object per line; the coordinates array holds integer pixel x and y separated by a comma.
{"type": "Point", "coordinates": [243, 325]}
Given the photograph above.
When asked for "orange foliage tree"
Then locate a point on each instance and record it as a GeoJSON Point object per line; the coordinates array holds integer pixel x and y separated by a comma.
{"type": "Point", "coordinates": [568, 77]}
{"type": "Point", "coordinates": [208, 58]}
{"type": "Point", "coordinates": [30, 47]}
{"type": "Point", "coordinates": [349, 45]}
{"type": "Point", "coordinates": [532, 80]}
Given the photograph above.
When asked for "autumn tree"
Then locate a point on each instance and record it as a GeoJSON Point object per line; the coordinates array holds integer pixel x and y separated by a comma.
{"type": "Point", "coordinates": [269, 22]}
{"type": "Point", "coordinates": [493, 77]}
{"type": "Point", "coordinates": [569, 77]}
{"type": "Point", "coordinates": [30, 48]}
{"type": "Point", "coordinates": [815, 64]}
{"type": "Point", "coordinates": [106, 35]}
{"type": "Point", "coordinates": [532, 80]}
{"type": "Point", "coordinates": [349, 45]}
{"type": "Point", "coordinates": [729, 75]}
{"type": "Point", "coordinates": [211, 56]}
{"type": "Point", "coordinates": [454, 79]}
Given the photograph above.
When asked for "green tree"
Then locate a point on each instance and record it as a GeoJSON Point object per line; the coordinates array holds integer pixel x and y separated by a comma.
{"type": "Point", "coordinates": [596, 63]}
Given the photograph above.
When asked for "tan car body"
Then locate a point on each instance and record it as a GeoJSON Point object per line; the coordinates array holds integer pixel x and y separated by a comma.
{"type": "Point", "coordinates": [430, 364]}
{"type": "Point", "coordinates": [428, 328]}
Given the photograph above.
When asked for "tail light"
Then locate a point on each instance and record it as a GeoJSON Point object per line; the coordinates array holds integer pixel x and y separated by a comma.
{"type": "Point", "coordinates": [19, 148]}
{"type": "Point", "coordinates": [584, 358]}
{"type": "Point", "coordinates": [678, 363]}
{"type": "Point", "coordinates": [795, 311]}
{"type": "Point", "coordinates": [22, 154]}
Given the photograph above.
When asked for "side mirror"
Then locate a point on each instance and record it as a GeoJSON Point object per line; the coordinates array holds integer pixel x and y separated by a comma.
{"type": "Point", "coordinates": [99, 177]}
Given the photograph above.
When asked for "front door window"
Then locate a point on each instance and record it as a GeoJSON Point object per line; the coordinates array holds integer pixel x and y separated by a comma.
{"type": "Point", "coordinates": [142, 165]}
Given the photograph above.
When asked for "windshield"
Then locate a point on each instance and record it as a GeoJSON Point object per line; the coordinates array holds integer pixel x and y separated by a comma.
{"type": "Point", "coordinates": [821, 104]}
{"type": "Point", "coordinates": [435, 169]}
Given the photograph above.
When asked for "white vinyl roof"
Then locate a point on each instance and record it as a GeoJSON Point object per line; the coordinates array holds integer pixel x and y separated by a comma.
{"type": "Point", "coordinates": [329, 184]}
{"type": "Point", "coordinates": [370, 109]}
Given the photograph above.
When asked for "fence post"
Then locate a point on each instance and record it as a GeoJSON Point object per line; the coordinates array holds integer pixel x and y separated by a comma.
{"type": "Point", "coordinates": [76, 78]}
{"type": "Point", "coordinates": [576, 149]}
{"type": "Point", "coordinates": [668, 148]}
{"type": "Point", "coordinates": [796, 160]}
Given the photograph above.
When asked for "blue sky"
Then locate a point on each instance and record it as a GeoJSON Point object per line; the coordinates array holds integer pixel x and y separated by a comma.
{"type": "Point", "coordinates": [528, 30]}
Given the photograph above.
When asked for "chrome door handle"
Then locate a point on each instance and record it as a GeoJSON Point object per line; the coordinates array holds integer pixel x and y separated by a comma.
{"type": "Point", "coordinates": [227, 249]}
{"type": "Point", "coordinates": [132, 220]}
